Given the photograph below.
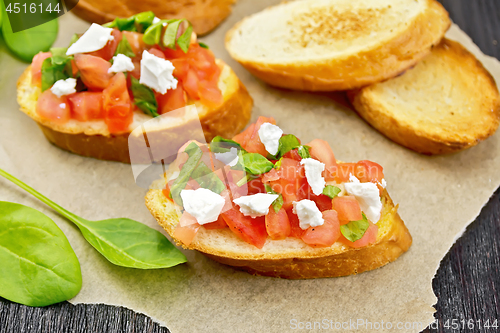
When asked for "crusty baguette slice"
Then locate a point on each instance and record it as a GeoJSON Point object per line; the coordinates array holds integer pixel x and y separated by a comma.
{"type": "Point", "coordinates": [330, 45]}
{"type": "Point", "coordinates": [291, 258]}
{"type": "Point", "coordinates": [447, 103]}
{"type": "Point", "coordinates": [92, 138]}
{"type": "Point", "coordinates": [204, 15]}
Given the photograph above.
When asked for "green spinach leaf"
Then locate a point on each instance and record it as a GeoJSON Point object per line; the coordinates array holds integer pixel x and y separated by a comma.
{"type": "Point", "coordinates": [355, 230]}
{"type": "Point", "coordinates": [38, 266]}
{"type": "Point", "coordinates": [124, 242]}
{"type": "Point", "coordinates": [144, 98]}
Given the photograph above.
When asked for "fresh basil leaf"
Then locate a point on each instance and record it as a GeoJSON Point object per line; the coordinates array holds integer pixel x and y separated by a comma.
{"type": "Point", "coordinates": [73, 39]}
{"type": "Point", "coordinates": [221, 145]}
{"type": "Point", "coordinates": [277, 165]}
{"type": "Point", "coordinates": [331, 191]}
{"type": "Point", "coordinates": [27, 43]}
{"type": "Point", "coordinates": [152, 34]}
{"type": "Point", "coordinates": [59, 56]}
{"type": "Point", "coordinates": [144, 98]}
{"type": "Point", "coordinates": [204, 176]}
{"type": "Point", "coordinates": [111, 24]}
{"type": "Point", "coordinates": [125, 24]}
{"type": "Point", "coordinates": [143, 20]}
{"type": "Point", "coordinates": [278, 203]}
{"type": "Point", "coordinates": [287, 143]}
{"type": "Point", "coordinates": [185, 39]}
{"type": "Point", "coordinates": [355, 230]}
{"type": "Point", "coordinates": [39, 266]}
{"type": "Point", "coordinates": [304, 151]}
{"type": "Point", "coordinates": [55, 69]}
{"type": "Point", "coordinates": [255, 164]}
{"type": "Point", "coordinates": [180, 182]}
{"type": "Point", "coordinates": [170, 35]}
{"type": "Point", "coordinates": [124, 242]}
{"type": "Point", "coordinates": [203, 45]}
{"type": "Point", "coordinates": [125, 48]}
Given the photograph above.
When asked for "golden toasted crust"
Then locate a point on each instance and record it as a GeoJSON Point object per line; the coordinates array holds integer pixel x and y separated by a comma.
{"type": "Point", "coordinates": [226, 120]}
{"type": "Point", "coordinates": [302, 262]}
{"type": "Point", "coordinates": [203, 15]}
{"type": "Point", "coordinates": [382, 62]}
{"type": "Point", "coordinates": [427, 118]}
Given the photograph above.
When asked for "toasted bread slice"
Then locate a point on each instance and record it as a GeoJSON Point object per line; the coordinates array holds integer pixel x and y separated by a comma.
{"type": "Point", "coordinates": [330, 45]}
{"type": "Point", "coordinates": [203, 15]}
{"type": "Point", "coordinates": [290, 258]}
{"type": "Point", "coordinates": [92, 138]}
{"type": "Point", "coordinates": [447, 103]}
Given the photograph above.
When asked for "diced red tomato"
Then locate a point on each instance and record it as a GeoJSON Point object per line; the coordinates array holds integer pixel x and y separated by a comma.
{"type": "Point", "coordinates": [324, 235]}
{"type": "Point", "coordinates": [93, 71]}
{"type": "Point", "coordinates": [342, 172]}
{"type": "Point", "coordinates": [250, 230]}
{"type": "Point", "coordinates": [244, 136]}
{"type": "Point", "coordinates": [254, 145]}
{"type": "Point", "coordinates": [36, 67]}
{"type": "Point", "coordinates": [181, 67]}
{"type": "Point", "coordinates": [108, 51]}
{"type": "Point", "coordinates": [86, 105]}
{"type": "Point", "coordinates": [368, 238]}
{"type": "Point", "coordinates": [190, 83]}
{"type": "Point", "coordinates": [255, 186]}
{"type": "Point", "coordinates": [209, 93]}
{"type": "Point", "coordinates": [166, 192]}
{"type": "Point", "coordinates": [295, 230]}
{"type": "Point", "coordinates": [53, 108]}
{"type": "Point", "coordinates": [174, 54]}
{"type": "Point", "coordinates": [293, 154]}
{"type": "Point", "coordinates": [347, 208]}
{"type": "Point", "coordinates": [186, 229]}
{"type": "Point", "coordinates": [270, 176]}
{"type": "Point", "coordinates": [368, 171]}
{"type": "Point", "coordinates": [321, 151]}
{"type": "Point", "coordinates": [157, 52]}
{"type": "Point", "coordinates": [277, 224]}
{"type": "Point", "coordinates": [173, 99]}
{"type": "Point", "coordinates": [135, 41]}
{"type": "Point", "coordinates": [322, 201]}
{"type": "Point", "coordinates": [219, 224]}
{"type": "Point", "coordinates": [118, 113]}
{"type": "Point", "coordinates": [292, 182]}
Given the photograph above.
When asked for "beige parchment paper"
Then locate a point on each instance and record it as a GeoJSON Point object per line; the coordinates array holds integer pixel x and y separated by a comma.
{"type": "Point", "coordinates": [438, 197]}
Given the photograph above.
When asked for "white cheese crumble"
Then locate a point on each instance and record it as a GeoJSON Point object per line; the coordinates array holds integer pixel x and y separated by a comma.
{"type": "Point", "coordinates": [156, 73]}
{"type": "Point", "coordinates": [64, 87]}
{"type": "Point", "coordinates": [256, 204]}
{"type": "Point", "coordinates": [156, 20]}
{"type": "Point", "coordinates": [204, 205]}
{"type": "Point", "coordinates": [270, 135]}
{"type": "Point", "coordinates": [314, 168]}
{"type": "Point", "coordinates": [308, 213]}
{"type": "Point", "coordinates": [368, 197]}
{"type": "Point", "coordinates": [121, 63]}
{"type": "Point", "coordinates": [95, 38]}
{"type": "Point", "coordinates": [228, 158]}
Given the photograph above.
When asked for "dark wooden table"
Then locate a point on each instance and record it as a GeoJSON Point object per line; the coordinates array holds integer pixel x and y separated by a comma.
{"type": "Point", "coordinates": [467, 283]}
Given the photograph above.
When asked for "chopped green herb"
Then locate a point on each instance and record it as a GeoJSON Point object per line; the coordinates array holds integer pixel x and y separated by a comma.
{"type": "Point", "coordinates": [204, 176]}
{"type": "Point", "coordinates": [304, 151]}
{"type": "Point", "coordinates": [355, 230]}
{"type": "Point", "coordinates": [331, 191]}
{"type": "Point", "coordinates": [255, 164]}
{"type": "Point", "coordinates": [221, 145]}
{"type": "Point", "coordinates": [185, 39]}
{"type": "Point", "coordinates": [180, 182]}
{"type": "Point", "coordinates": [287, 143]}
{"type": "Point", "coordinates": [203, 45]}
{"type": "Point", "coordinates": [144, 98]}
{"type": "Point", "coordinates": [125, 48]}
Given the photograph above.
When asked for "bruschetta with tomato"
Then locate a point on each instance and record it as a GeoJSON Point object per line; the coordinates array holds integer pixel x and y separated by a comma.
{"type": "Point", "coordinates": [87, 98]}
{"type": "Point", "coordinates": [265, 203]}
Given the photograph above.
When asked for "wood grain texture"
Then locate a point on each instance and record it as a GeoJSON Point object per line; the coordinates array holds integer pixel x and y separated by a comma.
{"type": "Point", "coordinates": [467, 283]}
